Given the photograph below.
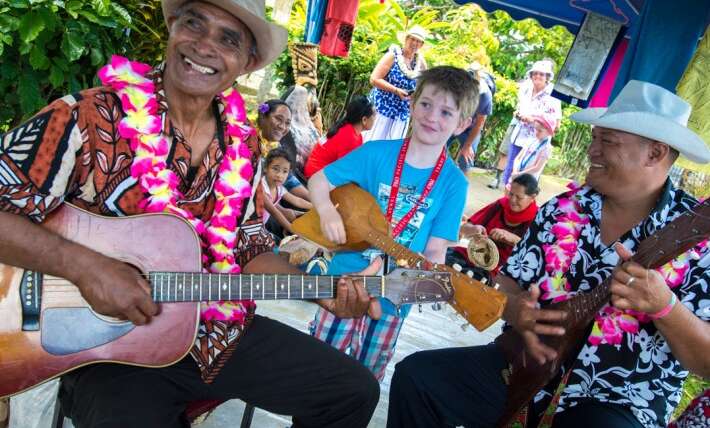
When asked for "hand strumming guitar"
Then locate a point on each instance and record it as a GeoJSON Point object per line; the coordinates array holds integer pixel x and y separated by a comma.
{"type": "Point", "coordinates": [523, 313]}
{"type": "Point", "coordinates": [114, 288]}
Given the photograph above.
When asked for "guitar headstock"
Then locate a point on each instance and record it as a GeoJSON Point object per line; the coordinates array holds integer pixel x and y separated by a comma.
{"type": "Point", "coordinates": [417, 286]}
{"type": "Point", "coordinates": [675, 238]}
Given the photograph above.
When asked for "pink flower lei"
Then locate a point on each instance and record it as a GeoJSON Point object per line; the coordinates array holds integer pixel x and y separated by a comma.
{"type": "Point", "coordinates": [143, 127]}
{"type": "Point", "coordinates": [610, 323]}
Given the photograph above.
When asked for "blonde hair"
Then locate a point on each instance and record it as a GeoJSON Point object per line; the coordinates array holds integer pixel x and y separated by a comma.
{"type": "Point", "coordinates": [456, 81]}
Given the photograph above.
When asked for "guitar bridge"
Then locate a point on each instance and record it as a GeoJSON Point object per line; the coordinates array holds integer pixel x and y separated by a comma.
{"type": "Point", "coordinates": [31, 298]}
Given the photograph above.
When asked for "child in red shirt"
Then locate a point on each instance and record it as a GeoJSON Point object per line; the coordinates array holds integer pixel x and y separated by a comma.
{"type": "Point", "coordinates": [343, 137]}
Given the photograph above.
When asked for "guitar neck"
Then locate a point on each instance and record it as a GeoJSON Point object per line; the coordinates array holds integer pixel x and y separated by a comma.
{"type": "Point", "coordinates": [403, 255]}
{"type": "Point", "coordinates": [200, 287]}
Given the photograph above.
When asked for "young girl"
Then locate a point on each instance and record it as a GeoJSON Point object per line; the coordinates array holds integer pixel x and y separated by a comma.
{"type": "Point", "coordinates": [344, 136]}
{"type": "Point", "coordinates": [532, 158]}
{"type": "Point", "coordinates": [278, 166]}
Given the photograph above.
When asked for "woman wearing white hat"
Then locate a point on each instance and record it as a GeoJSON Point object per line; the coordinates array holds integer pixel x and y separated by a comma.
{"type": "Point", "coordinates": [175, 139]}
{"type": "Point", "coordinates": [394, 79]}
{"type": "Point", "coordinates": [534, 98]}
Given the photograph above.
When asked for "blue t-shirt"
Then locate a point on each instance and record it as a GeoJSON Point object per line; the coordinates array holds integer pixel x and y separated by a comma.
{"type": "Point", "coordinates": [371, 166]}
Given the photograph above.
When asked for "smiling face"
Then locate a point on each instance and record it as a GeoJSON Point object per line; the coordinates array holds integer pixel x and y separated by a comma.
{"type": "Point", "coordinates": [435, 116]}
{"type": "Point", "coordinates": [539, 79]}
{"type": "Point", "coordinates": [276, 125]}
{"type": "Point", "coordinates": [412, 45]}
{"type": "Point", "coordinates": [277, 171]}
{"type": "Point", "coordinates": [207, 50]}
{"type": "Point", "coordinates": [618, 161]}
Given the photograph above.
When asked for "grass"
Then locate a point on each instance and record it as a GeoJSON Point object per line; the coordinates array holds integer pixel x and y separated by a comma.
{"type": "Point", "coordinates": [692, 388]}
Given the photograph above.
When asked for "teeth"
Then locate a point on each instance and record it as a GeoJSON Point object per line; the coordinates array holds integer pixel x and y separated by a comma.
{"type": "Point", "coordinates": [596, 165]}
{"type": "Point", "coordinates": [200, 68]}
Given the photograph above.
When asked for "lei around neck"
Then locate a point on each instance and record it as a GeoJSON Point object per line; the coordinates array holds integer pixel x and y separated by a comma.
{"type": "Point", "coordinates": [142, 126]}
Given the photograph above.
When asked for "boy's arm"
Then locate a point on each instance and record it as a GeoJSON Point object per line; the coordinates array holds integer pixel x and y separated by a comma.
{"type": "Point", "coordinates": [296, 201]}
{"type": "Point", "coordinates": [331, 224]}
{"type": "Point", "coordinates": [435, 250]}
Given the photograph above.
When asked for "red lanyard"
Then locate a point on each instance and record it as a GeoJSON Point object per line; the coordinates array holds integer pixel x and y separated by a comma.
{"type": "Point", "coordinates": [395, 188]}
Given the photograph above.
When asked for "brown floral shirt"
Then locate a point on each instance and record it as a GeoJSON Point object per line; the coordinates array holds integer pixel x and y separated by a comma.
{"type": "Point", "coordinates": [71, 151]}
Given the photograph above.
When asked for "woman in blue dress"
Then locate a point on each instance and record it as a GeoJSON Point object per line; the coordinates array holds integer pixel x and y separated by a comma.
{"type": "Point", "coordinates": [394, 79]}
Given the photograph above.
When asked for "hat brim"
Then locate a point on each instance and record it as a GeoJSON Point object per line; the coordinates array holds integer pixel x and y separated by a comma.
{"type": "Point", "coordinates": [270, 38]}
{"type": "Point", "coordinates": [402, 36]}
{"type": "Point", "coordinates": [652, 126]}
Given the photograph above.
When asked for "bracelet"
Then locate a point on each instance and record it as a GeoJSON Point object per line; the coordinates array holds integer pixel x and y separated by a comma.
{"type": "Point", "coordinates": [665, 311]}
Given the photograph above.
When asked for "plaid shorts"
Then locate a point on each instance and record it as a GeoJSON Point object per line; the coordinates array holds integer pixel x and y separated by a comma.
{"type": "Point", "coordinates": [369, 341]}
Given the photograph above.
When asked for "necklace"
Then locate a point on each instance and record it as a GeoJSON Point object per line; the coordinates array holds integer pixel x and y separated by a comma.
{"type": "Point", "coordinates": [143, 128]}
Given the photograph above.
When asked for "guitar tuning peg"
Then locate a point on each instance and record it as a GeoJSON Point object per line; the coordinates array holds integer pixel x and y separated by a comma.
{"type": "Point", "coordinates": [436, 306]}
{"type": "Point", "coordinates": [457, 267]}
{"type": "Point", "coordinates": [469, 274]}
{"type": "Point", "coordinates": [484, 281]}
{"type": "Point", "coordinates": [420, 308]}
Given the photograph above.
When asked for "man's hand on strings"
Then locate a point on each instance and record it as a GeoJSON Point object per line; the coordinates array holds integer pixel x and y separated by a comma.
{"type": "Point", "coordinates": [352, 299]}
{"type": "Point", "coordinates": [637, 288]}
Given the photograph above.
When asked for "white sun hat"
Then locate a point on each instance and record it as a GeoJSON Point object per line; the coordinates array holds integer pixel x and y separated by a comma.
{"type": "Point", "coordinates": [653, 112]}
{"type": "Point", "coordinates": [543, 66]}
{"type": "Point", "coordinates": [270, 38]}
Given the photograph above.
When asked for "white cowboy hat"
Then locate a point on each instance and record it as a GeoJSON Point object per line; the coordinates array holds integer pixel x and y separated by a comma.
{"type": "Point", "coordinates": [416, 32]}
{"type": "Point", "coordinates": [270, 38]}
{"type": "Point", "coordinates": [653, 112]}
{"type": "Point", "coordinates": [544, 66]}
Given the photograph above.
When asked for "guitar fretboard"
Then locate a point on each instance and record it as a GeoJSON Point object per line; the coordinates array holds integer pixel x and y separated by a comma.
{"type": "Point", "coordinates": [196, 287]}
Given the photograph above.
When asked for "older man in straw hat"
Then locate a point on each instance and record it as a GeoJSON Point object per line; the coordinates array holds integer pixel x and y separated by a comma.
{"type": "Point", "coordinates": [630, 370]}
{"type": "Point", "coordinates": [174, 139]}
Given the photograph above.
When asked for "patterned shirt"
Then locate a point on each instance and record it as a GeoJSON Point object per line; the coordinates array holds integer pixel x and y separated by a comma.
{"type": "Point", "coordinates": [391, 105]}
{"type": "Point", "coordinates": [542, 103]}
{"type": "Point", "coordinates": [71, 151]}
{"type": "Point", "coordinates": [641, 373]}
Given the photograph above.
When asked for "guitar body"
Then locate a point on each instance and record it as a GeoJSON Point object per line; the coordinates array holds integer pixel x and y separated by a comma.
{"type": "Point", "coordinates": [527, 376]}
{"type": "Point", "coordinates": [366, 226]}
{"type": "Point", "coordinates": [24, 357]}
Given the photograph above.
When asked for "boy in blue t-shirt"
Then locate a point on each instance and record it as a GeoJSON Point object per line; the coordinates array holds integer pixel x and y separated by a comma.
{"type": "Point", "coordinates": [429, 198]}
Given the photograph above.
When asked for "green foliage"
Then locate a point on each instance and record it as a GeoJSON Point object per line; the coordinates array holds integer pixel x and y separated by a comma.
{"type": "Point", "coordinates": [49, 48]}
{"type": "Point", "coordinates": [459, 36]}
{"type": "Point", "coordinates": [693, 387]}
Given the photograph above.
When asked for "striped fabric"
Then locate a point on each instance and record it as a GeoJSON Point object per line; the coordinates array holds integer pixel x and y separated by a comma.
{"type": "Point", "coordinates": [369, 341]}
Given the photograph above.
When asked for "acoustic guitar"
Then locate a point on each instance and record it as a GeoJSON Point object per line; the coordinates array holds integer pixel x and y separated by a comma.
{"type": "Point", "coordinates": [366, 227]}
{"type": "Point", "coordinates": [48, 329]}
{"type": "Point", "coordinates": [527, 377]}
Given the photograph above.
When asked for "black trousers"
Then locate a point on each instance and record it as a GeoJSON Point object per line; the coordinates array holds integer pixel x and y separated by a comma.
{"type": "Point", "coordinates": [274, 367]}
{"type": "Point", "coordinates": [463, 387]}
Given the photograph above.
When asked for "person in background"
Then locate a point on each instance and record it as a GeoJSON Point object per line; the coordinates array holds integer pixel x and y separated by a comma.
{"type": "Point", "coordinates": [419, 189]}
{"type": "Point", "coordinates": [463, 147]}
{"type": "Point", "coordinates": [277, 167]}
{"type": "Point", "coordinates": [273, 123]}
{"type": "Point", "coordinates": [393, 79]}
{"type": "Point", "coordinates": [344, 136]}
{"type": "Point", "coordinates": [532, 159]}
{"type": "Point", "coordinates": [504, 221]}
{"type": "Point", "coordinates": [304, 135]}
{"type": "Point", "coordinates": [534, 98]}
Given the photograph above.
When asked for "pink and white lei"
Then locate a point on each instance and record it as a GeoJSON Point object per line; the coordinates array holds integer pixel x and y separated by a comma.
{"type": "Point", "coordinates": [610, 323]}
{"type": "Point", "coordinates": [143, 127]}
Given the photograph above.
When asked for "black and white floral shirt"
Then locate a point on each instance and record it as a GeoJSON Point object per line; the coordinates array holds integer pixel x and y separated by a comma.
{"type": "Point", "coordinates": [640, 373]}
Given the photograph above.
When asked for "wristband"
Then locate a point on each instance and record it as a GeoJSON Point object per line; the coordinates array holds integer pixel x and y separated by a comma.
{"type": "Point", "coordinates": [665, 311]}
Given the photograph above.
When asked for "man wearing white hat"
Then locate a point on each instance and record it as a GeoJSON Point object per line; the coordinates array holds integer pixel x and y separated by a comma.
{"type": "Point", "coordinates": [175, 139]}
{"type": "Point", "coordinates": [630, 370]}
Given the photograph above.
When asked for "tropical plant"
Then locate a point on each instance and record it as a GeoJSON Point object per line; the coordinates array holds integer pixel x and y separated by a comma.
{"type": "Point", "coordinates": [49, 48]}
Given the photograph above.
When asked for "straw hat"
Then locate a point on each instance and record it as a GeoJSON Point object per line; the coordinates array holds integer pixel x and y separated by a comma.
{"type": "Point", "coordinates": [653, 112]}
{"type": "Point", "coordinates": [270, 38]}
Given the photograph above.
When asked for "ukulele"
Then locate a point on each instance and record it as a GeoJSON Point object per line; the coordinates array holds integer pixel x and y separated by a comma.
{"type": "Point", "coordinates": [366, 227]}
{"type": "Point", "coordinates": [527, 377]}
{"type": "Point", "coordinates": [48, 329]}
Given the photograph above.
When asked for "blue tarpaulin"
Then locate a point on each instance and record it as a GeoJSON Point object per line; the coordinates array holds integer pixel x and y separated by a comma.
{"type": "Point", "coordinates": [569, 13]}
